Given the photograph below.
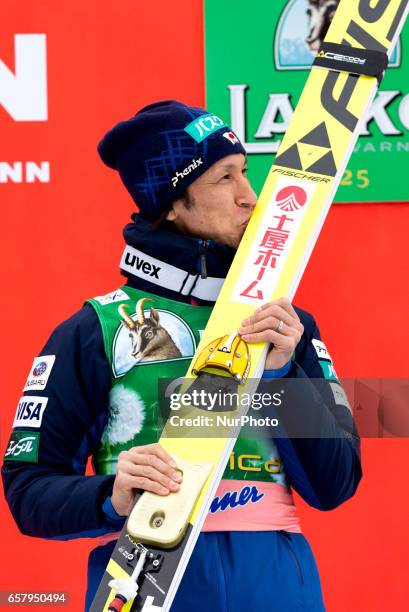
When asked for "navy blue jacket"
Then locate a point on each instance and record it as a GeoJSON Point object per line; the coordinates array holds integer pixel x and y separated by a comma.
{"type": "Point", "coordinates": [53, 498]}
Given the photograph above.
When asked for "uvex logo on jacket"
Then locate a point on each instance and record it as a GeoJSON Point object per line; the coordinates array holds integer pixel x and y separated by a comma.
{"type": "Point", "coordinates": [135, 261]}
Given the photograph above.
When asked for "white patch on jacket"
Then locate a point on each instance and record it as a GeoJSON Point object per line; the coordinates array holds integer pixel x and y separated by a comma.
{"type": "Point", "coordinates": [126, 416]}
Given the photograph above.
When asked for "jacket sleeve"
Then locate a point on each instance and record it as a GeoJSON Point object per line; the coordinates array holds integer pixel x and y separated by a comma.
{"type": "Point", "coordinates": [48, 494]}
{"type": "Point", "coordinates": [323, 465]}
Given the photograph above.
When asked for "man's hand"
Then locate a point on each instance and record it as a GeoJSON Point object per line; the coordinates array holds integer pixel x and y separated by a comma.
{"type": "Point", "coordinates": [147, 467]}
{"type": "Point", "coordinates": [277, 323]}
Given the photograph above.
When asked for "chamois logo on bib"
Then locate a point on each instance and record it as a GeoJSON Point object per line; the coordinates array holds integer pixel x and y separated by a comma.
{"type": "Point", "coordinates": [150, 336]}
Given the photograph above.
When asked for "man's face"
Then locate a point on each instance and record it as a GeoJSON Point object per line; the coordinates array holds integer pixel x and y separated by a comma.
{"type": "Point", "coordinates": [221, 203]}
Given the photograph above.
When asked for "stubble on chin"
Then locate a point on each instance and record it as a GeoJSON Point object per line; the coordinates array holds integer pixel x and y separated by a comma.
{"type": "Point", "coordinates": [235, 242]}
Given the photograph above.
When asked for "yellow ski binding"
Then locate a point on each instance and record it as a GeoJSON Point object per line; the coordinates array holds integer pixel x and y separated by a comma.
{"type": "Point", "coordinates": [229, 354]}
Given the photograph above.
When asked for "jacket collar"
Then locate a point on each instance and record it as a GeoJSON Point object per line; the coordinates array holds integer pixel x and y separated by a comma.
{"type": "Point", "coordinates": [173, 265]}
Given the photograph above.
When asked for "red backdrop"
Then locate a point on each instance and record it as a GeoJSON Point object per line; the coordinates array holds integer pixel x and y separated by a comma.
{"type": "Point", "coordinates": [61, 243]}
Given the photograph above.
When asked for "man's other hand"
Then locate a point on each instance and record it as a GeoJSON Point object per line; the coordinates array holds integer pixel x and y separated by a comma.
{"type": "Point", "coordinates": [277, 323]}
{"type": "Point", "coordinates": [149, 468]}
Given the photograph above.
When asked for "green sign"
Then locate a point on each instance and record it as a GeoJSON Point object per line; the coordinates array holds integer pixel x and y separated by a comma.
{"type": "Point", "coordinates": [258, 55]}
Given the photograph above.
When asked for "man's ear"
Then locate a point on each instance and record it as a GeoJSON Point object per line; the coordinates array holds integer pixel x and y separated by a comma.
{"type": "Point", "coordinates": [171, 215]}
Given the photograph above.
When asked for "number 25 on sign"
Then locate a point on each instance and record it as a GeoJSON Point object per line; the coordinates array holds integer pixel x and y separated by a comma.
{"type": "Point", "coordinates": [360, 178]}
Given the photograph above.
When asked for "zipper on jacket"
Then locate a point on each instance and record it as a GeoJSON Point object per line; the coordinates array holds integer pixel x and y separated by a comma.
{"type": "Point", "coordinates": [203, 267]}
{"type": "Point", "coordinates": [287, 540]}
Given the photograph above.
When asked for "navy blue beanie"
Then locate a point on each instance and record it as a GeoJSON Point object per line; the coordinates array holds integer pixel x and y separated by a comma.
{"type": "Point", "coordinates": [163, 149]}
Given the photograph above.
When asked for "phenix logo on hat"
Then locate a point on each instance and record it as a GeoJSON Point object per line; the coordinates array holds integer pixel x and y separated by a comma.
{"type": "Point", "coordinates": [164, 148]}
{"type": "Point", "coordinates": [180, 175]}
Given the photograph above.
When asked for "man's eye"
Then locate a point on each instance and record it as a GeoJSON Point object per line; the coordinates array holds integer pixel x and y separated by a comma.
{"type": "Point", "coordinates": [226, 176]}
{"type": "Point", "coordinates": [244, 171]}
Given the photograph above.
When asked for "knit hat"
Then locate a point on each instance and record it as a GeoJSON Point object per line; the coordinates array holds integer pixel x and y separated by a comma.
{"type": "Point", "coordinates": [164, 148]}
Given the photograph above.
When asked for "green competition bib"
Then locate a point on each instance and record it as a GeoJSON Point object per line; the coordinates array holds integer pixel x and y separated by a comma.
{"type": "Point", "coordinates": [148, 337]}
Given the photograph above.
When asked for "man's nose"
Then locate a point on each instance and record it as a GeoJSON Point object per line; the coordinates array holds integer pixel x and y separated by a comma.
{"type": "Point", "coordinates": [247, 197]}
